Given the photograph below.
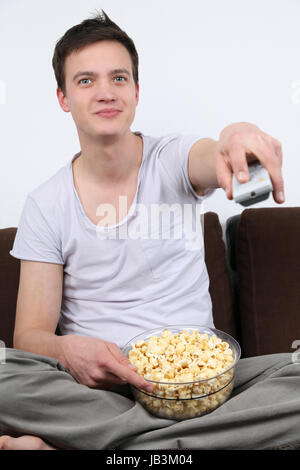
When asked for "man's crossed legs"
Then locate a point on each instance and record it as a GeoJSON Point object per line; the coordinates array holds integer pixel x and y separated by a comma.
{"type": "Point", "coordinates": [43, 406]}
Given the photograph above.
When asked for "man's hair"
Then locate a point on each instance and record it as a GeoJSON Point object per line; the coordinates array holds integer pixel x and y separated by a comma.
{"type": "Point", "coordinates": [98, 28]}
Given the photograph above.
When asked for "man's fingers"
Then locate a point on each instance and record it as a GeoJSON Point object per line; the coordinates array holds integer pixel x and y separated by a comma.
{"type": "Point", "coordinates": [120, 366]}
{"type": "Point", "coordinates": [104, 379]}
{"type": "Point", "coordinates": [239, 163]}
{"type": "Point", "coordinates": [239, 157]}
{"type": "Point", "coordinates": [109, 378]}
{"type": "Point", "coordinates": [224, 174]}
{"type": "Point", "coordinates": [117, 353]}
{"type": "Point", "coordinates": [270, 157]}
{"type": "Point", "coordinates": [128, 375]}
{"type": "Point", "coordinates": [278, 150]}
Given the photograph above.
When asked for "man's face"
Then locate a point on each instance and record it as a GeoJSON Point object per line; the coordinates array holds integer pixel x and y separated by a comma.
{"type": "Point", "coordinates": [104, 87]}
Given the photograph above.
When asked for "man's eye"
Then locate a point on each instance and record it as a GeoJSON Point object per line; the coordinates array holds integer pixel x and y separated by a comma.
{"type": "Point", "coordinates": [83, 79]}
{"type": "Point", "coordinates": [122, 78]}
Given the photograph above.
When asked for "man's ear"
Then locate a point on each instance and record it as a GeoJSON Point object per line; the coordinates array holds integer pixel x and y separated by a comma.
{"type": "Point", "coordinates": [63, 101]}
{"type": "Point", "coordinates": [137, 95]}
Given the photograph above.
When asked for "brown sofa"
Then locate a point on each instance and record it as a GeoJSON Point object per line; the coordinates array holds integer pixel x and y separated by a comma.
{"type": "Point", "coordinates": [254, 279]}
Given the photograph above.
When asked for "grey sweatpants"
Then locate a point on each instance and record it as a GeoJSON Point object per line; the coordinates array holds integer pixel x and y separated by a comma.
{"type": "Point", "coordinates": [38, 396]}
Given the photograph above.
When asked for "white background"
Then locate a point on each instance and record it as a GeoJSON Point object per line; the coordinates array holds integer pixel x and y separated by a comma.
{"type": "Point", "coordinates": [203, 65]}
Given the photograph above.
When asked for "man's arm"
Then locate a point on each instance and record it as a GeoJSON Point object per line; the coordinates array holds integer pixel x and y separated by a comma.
{"type": "Point", "coordinates": [38, 308]}
{"type": "Point", "coordinates": [211, 163]}
{"type": "Point", "coordinates": [91, 361]}
{"type": "Point", "coordinates": [202, 165]}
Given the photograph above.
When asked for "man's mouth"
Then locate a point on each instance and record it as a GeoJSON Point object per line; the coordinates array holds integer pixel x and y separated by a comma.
{"type": "Point", "coordinates": [108, 113]}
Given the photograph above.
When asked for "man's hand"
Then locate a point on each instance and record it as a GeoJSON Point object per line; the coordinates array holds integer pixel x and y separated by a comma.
{"type": "Point", "coordinates": [244, 142]}
{"type": "Point", "coordinates": [98, 364]}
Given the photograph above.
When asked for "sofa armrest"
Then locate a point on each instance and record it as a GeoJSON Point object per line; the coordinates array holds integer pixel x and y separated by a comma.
{"type": "Point", "coordinates": [219, 280]}
{"type": "Point", "coordinates": [9, 283]}
{"type": "Point", "coordinates": [268, 270]}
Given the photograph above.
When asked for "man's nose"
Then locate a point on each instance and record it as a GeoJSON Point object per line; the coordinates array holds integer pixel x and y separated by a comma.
{"type": "Point", "coordinates": [105, 92]}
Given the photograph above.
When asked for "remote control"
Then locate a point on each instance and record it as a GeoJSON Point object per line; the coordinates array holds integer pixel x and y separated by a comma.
{"type": "Point", "coordinates": [256, 189]}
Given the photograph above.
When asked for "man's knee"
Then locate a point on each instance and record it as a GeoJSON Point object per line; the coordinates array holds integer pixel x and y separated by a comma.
{"type": "Point", "coordinates": [18, 373]}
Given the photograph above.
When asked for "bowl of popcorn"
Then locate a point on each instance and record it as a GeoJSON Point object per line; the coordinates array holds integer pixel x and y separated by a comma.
{"type": "Point", "coordinates": [191, 369]}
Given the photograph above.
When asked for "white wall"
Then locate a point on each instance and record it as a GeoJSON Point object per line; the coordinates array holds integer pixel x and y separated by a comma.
{"type": "Point", "coordinates": [203, 65]}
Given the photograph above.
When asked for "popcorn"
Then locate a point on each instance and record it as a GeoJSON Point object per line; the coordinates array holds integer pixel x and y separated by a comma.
{"type": "Point", "coordinates": [183, 365]}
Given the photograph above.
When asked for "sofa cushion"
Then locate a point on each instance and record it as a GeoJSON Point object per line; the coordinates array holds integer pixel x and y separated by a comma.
{"type": "Point", "coordinates": [219, 281]}
{"type": "Point", "coordinates": [268, 264]}
{"type": "Point", "coordinates": [9, 283]}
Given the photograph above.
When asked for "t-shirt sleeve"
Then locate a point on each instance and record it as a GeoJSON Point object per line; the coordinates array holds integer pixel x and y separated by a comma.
{"type": "Point", "coordinates": [174, 157]}
{"type": "Point", "coordinates": [36, 238]}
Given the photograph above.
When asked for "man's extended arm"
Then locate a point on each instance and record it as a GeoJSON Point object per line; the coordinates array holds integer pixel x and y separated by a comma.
{"type": "Point", "coordinates": [212, 163]}
{"type": "Point", "coordinates": [201, 167]}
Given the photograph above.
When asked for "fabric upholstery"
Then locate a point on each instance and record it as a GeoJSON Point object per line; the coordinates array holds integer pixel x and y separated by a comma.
{"type": "Point", "coordinates": [219, 280]}
{"type": "Point", "coordinates": [9, 282]}
{"type": "Point", "coordinates": [268, 264]}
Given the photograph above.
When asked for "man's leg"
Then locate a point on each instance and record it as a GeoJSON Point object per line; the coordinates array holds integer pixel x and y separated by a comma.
{"type": "Point", "coordinates": [262, 413]}
{"type": "Point", "coordinates": [38, 397]}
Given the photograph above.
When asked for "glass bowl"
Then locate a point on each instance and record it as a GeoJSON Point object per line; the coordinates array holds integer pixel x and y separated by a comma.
{"type": "Point", "coordinates": [180, 400]}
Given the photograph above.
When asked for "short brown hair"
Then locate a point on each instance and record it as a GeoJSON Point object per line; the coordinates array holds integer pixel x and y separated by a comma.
{"type": "Point", "coordinates": [98, 28]}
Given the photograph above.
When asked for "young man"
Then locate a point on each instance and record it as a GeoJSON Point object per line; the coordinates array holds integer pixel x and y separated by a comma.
{"type": "Point", "coordinates": [104, 289]}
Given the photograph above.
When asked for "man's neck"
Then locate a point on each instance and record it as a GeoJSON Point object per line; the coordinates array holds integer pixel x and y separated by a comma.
{"type": "Point", "coordinates": [113, 162]}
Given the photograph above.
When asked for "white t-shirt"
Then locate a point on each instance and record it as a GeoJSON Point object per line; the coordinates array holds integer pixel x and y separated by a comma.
{"type": "Point", "coordinates": [116, 286]}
